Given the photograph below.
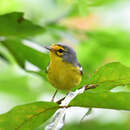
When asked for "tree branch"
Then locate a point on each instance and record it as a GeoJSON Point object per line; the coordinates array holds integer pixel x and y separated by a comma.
{"type": "Point", "coordinates": [90, 86]}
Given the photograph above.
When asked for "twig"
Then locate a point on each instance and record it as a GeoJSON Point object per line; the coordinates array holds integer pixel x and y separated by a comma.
{"type": "Point", "coordinates": [90, 86]}
{"type": "Point", "coordinates": [52, 100]}
{"type": "Point", "coordinates": [58, 119]}
{"type": "Point", "coordinates": [59, 101]}
{"type": "Point", "coordinates": [86, 114]}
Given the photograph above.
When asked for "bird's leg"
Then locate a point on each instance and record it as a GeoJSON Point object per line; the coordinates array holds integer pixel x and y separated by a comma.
{"type": "Point", "coordinates": [52, 100]}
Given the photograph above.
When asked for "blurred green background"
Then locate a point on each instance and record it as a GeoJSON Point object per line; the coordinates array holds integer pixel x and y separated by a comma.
{"type": "Point", "coordinates": [99, 31]}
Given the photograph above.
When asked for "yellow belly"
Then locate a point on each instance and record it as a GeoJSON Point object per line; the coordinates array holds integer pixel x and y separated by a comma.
{"type": "Point", "coordinates": [63, 75]}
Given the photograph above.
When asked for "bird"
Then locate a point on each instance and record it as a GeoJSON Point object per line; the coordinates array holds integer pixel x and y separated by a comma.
{"type": "Point", "coordinates": [64, 71]}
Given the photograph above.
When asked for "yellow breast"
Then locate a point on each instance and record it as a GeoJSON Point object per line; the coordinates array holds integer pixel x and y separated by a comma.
{"type": "Point", "coordinates": [63, 75]}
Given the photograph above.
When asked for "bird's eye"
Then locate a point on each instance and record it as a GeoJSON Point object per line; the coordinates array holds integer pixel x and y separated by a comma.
{"type": "Point", "coordinates": [60, 50]}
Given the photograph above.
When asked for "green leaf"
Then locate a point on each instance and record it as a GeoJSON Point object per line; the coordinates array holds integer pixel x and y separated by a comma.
{"type": "Point", "coordinates": [109, 76]}
{"type": "Point", "coordinates": [112, 74]}
{"type": "Point", "coordinates": [14, 24]}
{"type": "Point", "coordinates": [100, 2]}
{"type": "Point", "coordinates": [15, 85]}
{"type": "Point", "coordinates": [103, 46]}
{"type": "Point", "coordinates": [110, 39]}
{"type": "Point", "coordinates": [23, 53]}
{"type": "Point", "coordinates": [3, 57]}
{"type": "Point", "coordinates": [27, 116]}
{"type": "Point", "coordinates": [7, 6]}
{"type": "Point", "coordinates": [96, 125]}
{"type": "Point", "coordinates": [109, 100]}
{"type": "Point", "coordinates": [82, 5]}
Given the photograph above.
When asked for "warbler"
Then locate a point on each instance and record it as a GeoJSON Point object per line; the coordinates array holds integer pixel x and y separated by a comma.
{"type": "Point", "coordinates": [64, 71]}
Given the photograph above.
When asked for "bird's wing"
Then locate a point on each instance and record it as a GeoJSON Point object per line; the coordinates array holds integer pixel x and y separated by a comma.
{"type": "Point", "coordinates": [80, 68]}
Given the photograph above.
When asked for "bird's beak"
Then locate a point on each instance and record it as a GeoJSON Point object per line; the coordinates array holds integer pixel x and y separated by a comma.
{"type": "Point", "coordinates": [48, 48]}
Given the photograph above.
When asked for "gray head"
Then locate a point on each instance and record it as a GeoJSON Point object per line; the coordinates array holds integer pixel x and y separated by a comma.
{"type": "Point", "coordinates": [65, 52]}
{"type": "Point", "coordinates": [69, 54]}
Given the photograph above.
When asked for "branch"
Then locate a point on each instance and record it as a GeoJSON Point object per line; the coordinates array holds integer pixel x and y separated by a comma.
{"type": "Point", "coordinates": [90, 86]}
{"type": "Point", "coordinates": [58, 119]}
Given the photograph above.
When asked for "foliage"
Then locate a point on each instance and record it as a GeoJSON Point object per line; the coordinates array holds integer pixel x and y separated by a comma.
{"type": "Point", "coordinates": [17, 26]}
{"type": "Point", "coordinates": [92, 125]}
{"type": "Point", "coordinates": [26, 23]}
{"type": "Point", "coordinates": [27, 116]}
